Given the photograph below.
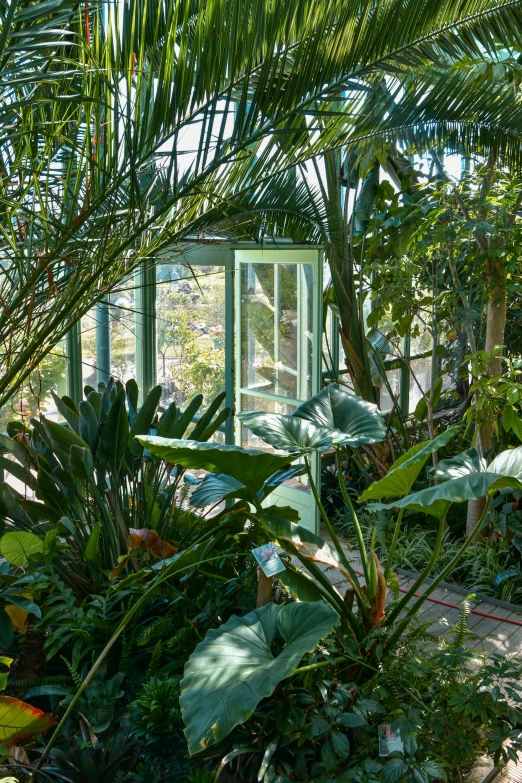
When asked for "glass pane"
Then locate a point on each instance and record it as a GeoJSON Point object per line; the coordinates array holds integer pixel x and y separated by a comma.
{"type": "Point", "coordinates": [123, 333]}
{"type": "Point", "coordinates": [35, 397]}
{"type": "Point", "coordinates": [421, 376]}
{"type": "Point", "coordinates": [276, 328]}
{"type": "Point", "coordinates": [89, 349]}
{"type": "Point", "coordinates": [251, 441]}
{"type": "Point", "coordinates": [190, 313]}
{"type": "Point", "coordinates": [394, 380]}
{"type": "Point", "coordinates": [248, 403]}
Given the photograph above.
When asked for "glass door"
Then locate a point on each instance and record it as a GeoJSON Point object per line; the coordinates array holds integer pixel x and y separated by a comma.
{"type": "Point", "coordinates": [278, 347]}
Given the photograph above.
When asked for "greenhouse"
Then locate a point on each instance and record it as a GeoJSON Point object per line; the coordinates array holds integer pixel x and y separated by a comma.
{"type": "Point", "coordinates": [261, 391]}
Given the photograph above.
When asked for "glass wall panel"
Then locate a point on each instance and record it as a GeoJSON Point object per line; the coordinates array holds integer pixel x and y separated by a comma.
{"type": "Point", "coordinates": [123, 332]}
{"type": "Point", "coordinates": [394, 379]}
{"type": "Point", "coordinates": [89, 349]}
{"type": "Point", "coordinates": [421, 368]}
{"type": "Point", "coordinates": [190, 313]}
{"type": "Point", "coordinates": [251, 441]}
{"type": "Point", "coordinates": [35, 396]}
{"type": "Point", "coordinates": [276, 328]}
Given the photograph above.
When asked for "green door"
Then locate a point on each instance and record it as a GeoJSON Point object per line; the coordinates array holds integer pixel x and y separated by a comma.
{"type": "Point", "coordinates": [278, 347]}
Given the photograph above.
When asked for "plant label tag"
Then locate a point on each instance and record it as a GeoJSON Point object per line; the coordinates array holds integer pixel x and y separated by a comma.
{"type": "Point", "coordinates": [268, 559]}
{"type": "Point", "coordinates": [389, 741]}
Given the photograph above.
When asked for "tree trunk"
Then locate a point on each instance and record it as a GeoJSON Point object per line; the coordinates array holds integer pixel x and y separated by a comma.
{"type": "Point", "coordinates": [264, 589]}
{"type": "Point", "coordinates": [495, 326]}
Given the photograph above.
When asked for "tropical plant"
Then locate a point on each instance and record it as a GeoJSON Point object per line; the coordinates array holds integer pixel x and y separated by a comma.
{"type": "Point", "coordinates": [94, 483]}
{"type": "Point", "coordinates": [234, 668]}
{"type": "Point", "coordinates": [334, 418]}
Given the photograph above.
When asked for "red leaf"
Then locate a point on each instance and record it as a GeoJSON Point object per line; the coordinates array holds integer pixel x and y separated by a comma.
{"type": "Point", "coordinates": [19, 720]}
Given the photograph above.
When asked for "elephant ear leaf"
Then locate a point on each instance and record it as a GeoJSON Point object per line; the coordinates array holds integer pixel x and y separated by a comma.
{"type": "Point", "coordinates": [234, 668]}
{"type": "Point", "coordinates": [350, 420]}
{"type": "Point", "coordinates": [248, 466]}
{"type": "Point", "coordinates": [465, 464]}
{"type": "Point", "coordinates": [288, 433]}
{"type": "Point", "coordinates": [404, 471]}
{"type": "Point", "coordinates": [508, 463]}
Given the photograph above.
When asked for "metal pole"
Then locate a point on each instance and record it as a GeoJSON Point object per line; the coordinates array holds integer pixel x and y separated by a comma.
{"type": "Point", "coordinates": [103, 342]}
{"type": "Point", "coordinates": [404, 393]}
{"type": "Point", "coordinates": [74, 362]}
{"type": "Point", "coordinates": [145, 299]}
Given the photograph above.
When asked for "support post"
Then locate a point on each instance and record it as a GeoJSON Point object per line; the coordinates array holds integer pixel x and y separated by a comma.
{"type": "Point", "coordinates": [404, 393]}
{"type": "Point", "coordinates": [74, 362]}
{"type": "Point", "coordinates": [103, 342]}
{"type": "Point", "coordinates": [229, 343]}
{"type": "Point", "coordinates": [145, 302]}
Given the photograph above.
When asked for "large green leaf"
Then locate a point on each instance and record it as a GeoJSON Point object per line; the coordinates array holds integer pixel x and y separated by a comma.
{"type": "Point", "coordinates": [463, 464]}
{"type": "Point", "coordinates": [465, 477]}
{"type": "Point", "coordinates": [248, 466]}
{"type": "Point", "coordinates": [233, 668]}
{"type": "Point", "coordinates": [350, 420]}
{"type": "Point", "coordinates": [507, 463]}
{"type": "Point", "coordinates": [471, 487]}
{"type": "Point", "coordinates": [19, 546]}
{"type": "Point", "coordinates": [288, 433]}
{"type": "Point", "coordinates": [19, 720]}
{"type": "Point", "coordinates": [213, 488]}
{"type": "Point", "coordinates": [278, 478]}
{"type": "Point", "coordinates": [219, 486]}
{"type": "Point", "coordinates": [404, 471]}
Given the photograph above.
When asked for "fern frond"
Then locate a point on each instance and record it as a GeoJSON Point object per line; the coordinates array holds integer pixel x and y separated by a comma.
{"type": "Point", "coordinates": [77, 679]}
{"type": "Point", "coordinates": [460, 629]}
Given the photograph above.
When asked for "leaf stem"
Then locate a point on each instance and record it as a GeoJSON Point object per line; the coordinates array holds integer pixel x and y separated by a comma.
{"type": "Point", "coordinates": [449, 568]}
{"type": "Point", "coordinates": [393, 545]}
{"type": "Point", "coordinates": [331, 662]}
{"type": "Point", "coordinates": [353, 517]}
{"type": "Point", "coordinates": [340, 551]}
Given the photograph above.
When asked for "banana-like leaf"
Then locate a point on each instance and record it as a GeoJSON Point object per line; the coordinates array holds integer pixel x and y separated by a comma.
{"type": "Point", "coordinates": [219, 486]}
{"type": "Point", "coordinates": [143, 420]}
{"type": "Point", "coordinates": [350, 420]}
{"type": "Point", "coordinates": [233, 668]}
{"type": "Point", "coordinates": [62, 438]}
{"type": "Point", "coordinates": [288, 433]}
{"type": "Point", "coordinates": [404, 471]}
{"type": "Point", "coordinates": [88, 424]}
{"type": "Point", "coordinates": [248, 466]}
{"type": "Point", "coordinates": [81, 462]}
{"type": "Point", "coordinates": [19, 720]}
{"type": "Point", "coordinates": [213, 488]}
{"type": "Point", "coordinates": [115, 433]}
{"type": "Point", "coordinates": [278, 478]}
